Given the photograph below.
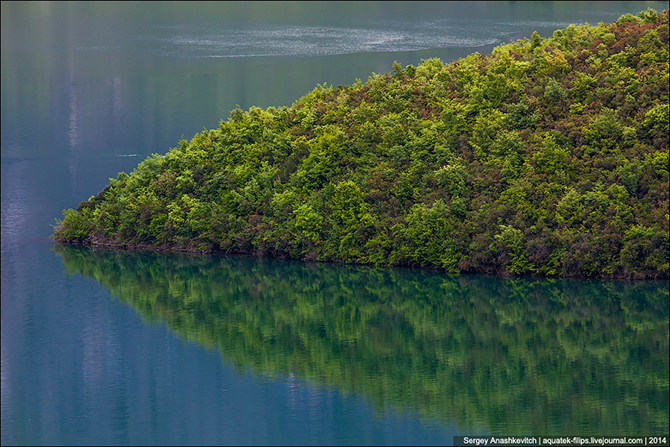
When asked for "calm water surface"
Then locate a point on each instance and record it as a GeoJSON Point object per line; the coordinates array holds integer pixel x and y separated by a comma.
{"type": "Point", "coordinates": [101, 347]}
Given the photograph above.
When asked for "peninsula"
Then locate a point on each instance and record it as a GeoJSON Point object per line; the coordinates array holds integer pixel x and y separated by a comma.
{"type": "Point", "coordinates": [548, 157]}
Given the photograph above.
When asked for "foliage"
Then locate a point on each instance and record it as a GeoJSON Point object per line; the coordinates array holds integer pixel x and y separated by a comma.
{"type": "Point", "coordinates": [536, 159]}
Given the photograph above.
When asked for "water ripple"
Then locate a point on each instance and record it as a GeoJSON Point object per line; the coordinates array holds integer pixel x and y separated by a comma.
{"type": "Point", "coordinates": [390, 36]}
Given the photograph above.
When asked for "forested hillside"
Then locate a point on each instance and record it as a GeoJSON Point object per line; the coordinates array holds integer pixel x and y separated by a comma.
{"type": "Point", "coordinates": [549, 156]}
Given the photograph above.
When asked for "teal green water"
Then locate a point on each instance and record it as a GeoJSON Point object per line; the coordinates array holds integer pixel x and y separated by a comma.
{"type": "Point", "coordinates": [498, 355]}
{"type": "Point", "coordinates": [126, 348]}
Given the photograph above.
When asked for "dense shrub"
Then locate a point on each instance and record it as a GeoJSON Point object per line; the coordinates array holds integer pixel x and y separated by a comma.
{"type": "Point", "coordinates": [549, 156]}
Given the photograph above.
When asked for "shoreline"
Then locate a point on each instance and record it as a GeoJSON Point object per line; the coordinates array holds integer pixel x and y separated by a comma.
{"type": "Point", "coordinates": [147, 248]}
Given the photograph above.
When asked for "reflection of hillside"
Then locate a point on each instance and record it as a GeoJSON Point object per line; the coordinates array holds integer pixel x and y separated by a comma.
{"type": "Point", "coordinates": [514, 355]}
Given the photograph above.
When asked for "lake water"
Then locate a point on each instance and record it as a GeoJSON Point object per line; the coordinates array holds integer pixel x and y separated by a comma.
{"type": "Point", "coordinates": [103, 347]}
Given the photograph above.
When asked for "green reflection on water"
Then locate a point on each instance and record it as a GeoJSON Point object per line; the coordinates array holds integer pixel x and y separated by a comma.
{"type": "Point", "coordinates": [509, 356]}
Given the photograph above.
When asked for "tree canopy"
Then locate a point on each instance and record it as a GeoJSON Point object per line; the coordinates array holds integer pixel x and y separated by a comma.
{"type": "Point", "coordinates": [548, 156]}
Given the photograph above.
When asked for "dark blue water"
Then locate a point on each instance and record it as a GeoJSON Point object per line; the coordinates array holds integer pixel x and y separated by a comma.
{"type": "Point", "coordinates": [98, 349]}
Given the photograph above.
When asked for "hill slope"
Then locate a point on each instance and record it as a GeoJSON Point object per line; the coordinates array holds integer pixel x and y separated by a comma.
{"type": "Point", "coordinates": [549, 156]}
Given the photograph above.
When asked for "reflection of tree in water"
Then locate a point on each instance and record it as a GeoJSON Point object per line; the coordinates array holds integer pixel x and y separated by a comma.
{"type": "Point", "coordinates": [513, 355]}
